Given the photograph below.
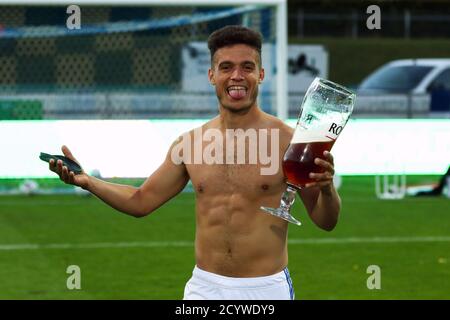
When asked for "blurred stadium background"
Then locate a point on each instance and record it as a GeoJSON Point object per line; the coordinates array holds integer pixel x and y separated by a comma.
{"type": "Point", "coordinates": [121, 88]}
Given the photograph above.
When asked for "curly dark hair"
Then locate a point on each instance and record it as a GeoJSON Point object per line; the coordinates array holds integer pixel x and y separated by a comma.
{"type": "Point", "coordinates": [235, 34]}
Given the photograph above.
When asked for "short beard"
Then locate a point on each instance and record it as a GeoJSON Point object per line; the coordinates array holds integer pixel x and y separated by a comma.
{"type": "Point", "coordinates": [242, 111]}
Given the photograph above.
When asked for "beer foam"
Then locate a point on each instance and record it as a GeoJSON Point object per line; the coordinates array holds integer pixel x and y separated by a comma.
{"type": "Point", "coordinates": [318, 133]}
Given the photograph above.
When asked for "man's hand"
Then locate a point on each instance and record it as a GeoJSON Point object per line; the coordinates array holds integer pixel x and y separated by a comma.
{"type": "Point", "coordinates": [325, 209]}
{"type": "Point", "coordinates": [69, 177]}
{"type": "Point", "coordinates": [323, 180]}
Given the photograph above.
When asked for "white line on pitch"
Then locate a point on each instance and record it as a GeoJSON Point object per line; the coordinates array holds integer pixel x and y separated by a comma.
{"type": "Point", "coordinates": [157, 244]}
{"type": "Point", "coordinates": [369, 240]}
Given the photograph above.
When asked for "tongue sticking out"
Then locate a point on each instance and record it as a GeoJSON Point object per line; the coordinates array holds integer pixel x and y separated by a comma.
{"type": "Point", "coordinates": [237, 94]}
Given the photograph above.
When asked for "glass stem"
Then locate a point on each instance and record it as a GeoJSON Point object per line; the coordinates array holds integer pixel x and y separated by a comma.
{"type": "Point", "coordinates": [288, 198]}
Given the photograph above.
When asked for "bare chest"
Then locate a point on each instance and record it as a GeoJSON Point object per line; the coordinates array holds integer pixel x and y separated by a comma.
{"type": "Point", "coordinates": [225, 179]}
{"type": "Point", "coordinates": [247, 163]}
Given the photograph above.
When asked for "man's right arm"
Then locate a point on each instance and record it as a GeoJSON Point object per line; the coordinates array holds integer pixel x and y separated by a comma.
{"type": "Point", "coordinates": [166, 182]}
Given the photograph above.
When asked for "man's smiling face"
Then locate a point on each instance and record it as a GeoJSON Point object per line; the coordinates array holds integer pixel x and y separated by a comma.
{"type": "Point", "coordinates": [236, 74]}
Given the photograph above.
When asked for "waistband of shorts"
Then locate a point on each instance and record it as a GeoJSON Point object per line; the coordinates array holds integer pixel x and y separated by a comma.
{"type": "Point", "coordinates": [251, 282]}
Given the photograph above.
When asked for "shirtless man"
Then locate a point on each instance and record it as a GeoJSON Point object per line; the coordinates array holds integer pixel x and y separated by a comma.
{"type": "Point", "coordinates": [240, 251]}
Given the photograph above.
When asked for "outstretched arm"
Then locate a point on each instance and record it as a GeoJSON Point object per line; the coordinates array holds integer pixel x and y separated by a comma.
{"type": "Point", "coordinates": [167, 181]}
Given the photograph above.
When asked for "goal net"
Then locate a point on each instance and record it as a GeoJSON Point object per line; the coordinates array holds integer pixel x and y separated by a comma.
{"type": "Point", "coordinates": [131, 60]}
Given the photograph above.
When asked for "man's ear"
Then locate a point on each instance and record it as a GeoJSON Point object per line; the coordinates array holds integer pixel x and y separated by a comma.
{"type": "Point", "coordinates": [261, 75]}
{"type": "Point", "coordinates": [211, 77]}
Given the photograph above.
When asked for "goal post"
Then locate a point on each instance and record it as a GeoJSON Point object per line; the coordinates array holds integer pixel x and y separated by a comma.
{"type": "Point", "coordinates": [111, 41]}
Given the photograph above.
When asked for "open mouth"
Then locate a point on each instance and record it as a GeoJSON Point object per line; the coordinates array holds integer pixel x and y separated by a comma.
{"type": "Point", "coordinates": [237, 92]}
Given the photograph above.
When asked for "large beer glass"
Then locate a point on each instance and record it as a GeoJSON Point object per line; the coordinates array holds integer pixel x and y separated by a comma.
{"type": "Point", "coordinates": [325, 110]}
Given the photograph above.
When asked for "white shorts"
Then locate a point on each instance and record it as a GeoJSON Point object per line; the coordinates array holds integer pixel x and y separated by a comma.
{"type": "Point", "coordinates": [210, 286]}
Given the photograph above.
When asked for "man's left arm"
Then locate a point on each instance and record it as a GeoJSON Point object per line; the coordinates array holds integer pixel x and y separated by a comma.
{"type": "Point", "coordinates": [320, 197]}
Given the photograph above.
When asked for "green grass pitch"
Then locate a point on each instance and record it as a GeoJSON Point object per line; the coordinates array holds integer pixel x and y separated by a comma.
{"type": "Point", "coordinates": [152, 258]}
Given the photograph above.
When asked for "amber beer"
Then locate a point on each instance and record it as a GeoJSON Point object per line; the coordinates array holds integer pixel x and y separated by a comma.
{"type": "Point", "coordinates": [298, 161]}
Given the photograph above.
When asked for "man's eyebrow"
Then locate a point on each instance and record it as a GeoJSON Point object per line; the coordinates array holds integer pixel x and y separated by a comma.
{"type": "Point", "coordinates": [242, 63]}
{"type": "Point", "coordinates": [225, 62]}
